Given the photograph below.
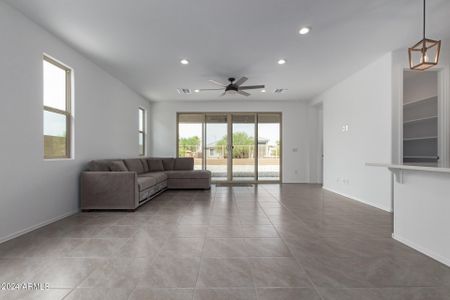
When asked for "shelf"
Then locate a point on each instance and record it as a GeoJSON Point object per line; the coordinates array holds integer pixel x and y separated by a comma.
{"type": "Point", "coordinates": [420, 138]}
{"type": "Point", "coordinates": [420, 100]}
{"type": "Point", "coordinates": [420, 157]}
{"type": "Point", "coordinates": [408, 167]}
{"type": "Point", "coordinates": [420, 120]}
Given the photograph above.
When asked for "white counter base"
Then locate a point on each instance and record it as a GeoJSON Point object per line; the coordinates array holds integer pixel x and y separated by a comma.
{"type": "Point", "coordinates": [422, 209]}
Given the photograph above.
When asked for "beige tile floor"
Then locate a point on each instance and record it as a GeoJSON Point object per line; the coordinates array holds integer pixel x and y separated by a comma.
{"type": "Point", "coordinates": [280, 242]}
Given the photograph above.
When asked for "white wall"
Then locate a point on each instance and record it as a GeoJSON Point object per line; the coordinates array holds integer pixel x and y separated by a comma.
{"type": "Point", "coordinates": [298, 120]}
{"type": "Point", "coordinates": [34, 191]}
{"type": "Point", "coordinates": [315, 115]}
{"type": "Point", "coordinates": [363, 101]}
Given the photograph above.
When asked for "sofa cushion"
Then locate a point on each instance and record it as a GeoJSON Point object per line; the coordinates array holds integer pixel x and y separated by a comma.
{"type": "Point", "coordinates": [158, 176]}
{"type": "Point", "coordinates": [146, 182]}
{"type": "Point", "coordinates": [117, 166]}
{"type": "Point", "coordinates": [197, 174]}
{"type": "Point", "coordinates": [98, 165]}
{"type": "Point", "coordinates": [134, 165]}
{"type": "Point", "coordinates": [168, 163]}
{"type": "Point", "coordinates": [155, 165]}
{"type": "Point", "coordinates": [145, 165]}
{"type": "Point", "coordinates": [184, 163]}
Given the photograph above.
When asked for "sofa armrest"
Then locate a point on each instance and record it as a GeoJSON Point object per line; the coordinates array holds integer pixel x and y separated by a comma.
{"type": "Point", "coordinates": [109, 190]}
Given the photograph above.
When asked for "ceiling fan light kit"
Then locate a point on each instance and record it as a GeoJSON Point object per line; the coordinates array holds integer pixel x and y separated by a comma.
{"type": "Point", "coordinates": [424, 54]}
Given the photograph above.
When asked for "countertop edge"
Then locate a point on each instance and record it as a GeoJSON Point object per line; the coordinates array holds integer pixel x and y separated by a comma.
{"type": "Point", "coordinates": [410, 168]}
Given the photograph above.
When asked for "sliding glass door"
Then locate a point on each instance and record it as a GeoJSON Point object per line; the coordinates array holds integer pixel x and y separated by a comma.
{"type": "Point", "coordinates": [216, 146]}
{"type": "Point", "coordinates": [243, 146]}
{"type": "Point", "coordinates": [269, 147]}
{"type": "Point", "coordinates": [235, 147]}
{"type": "Point", "coordinates": [190, 137]}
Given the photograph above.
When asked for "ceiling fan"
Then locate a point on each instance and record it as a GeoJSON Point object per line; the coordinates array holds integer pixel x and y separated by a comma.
{"type": "Point", "coordinates": [234, 87]}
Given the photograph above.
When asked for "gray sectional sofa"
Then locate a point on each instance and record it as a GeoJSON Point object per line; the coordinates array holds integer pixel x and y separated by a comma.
{"type": "Point", "coordinates": [128, 183]}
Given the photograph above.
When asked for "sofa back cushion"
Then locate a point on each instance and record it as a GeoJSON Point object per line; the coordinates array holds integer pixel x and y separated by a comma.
{"type": "Point", "coordinates": [155, 164]}
{"type": "Point", "coordinates": [134, 165]}
{"type": "Point", "coordinates": [117, 166]}
{"type": "Point", "coordinates": [168, 164]}
{"type": "Point", "coordinates": [184, 163]}
{"type": "Point", "coordinates": [98, 165]}
{"type": "Point", "coordinates": [145, 165]}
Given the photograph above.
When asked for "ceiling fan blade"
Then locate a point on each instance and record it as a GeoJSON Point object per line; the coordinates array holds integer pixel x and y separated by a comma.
{"type": "Point", "coordinates": [243, 93]}
{"type": "Point", "coordinates": [217, 83]}
{"type": "Point", "coordinates": [202, 90]}
{"type": "Point", "coordinates": [241, 81]}
{"type": "Point", "coordinates": [251, 87]}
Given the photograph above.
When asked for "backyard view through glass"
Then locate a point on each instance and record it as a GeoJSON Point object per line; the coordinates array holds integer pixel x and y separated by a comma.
{"type": "Point", "coordinates": [269, 146]}
{"type": "Point", "coordinates": [190, 136]}
{"type": "Point", "coordinates": [234, 147]}
{"type": "Point", "coordinates": [217, 146]}
{"type": "Point", "coordinates": [141, 131]}
{"type": "Point", "coordinates": [56, 115]}
{"type": "Point", "coordinates": [243, 141]}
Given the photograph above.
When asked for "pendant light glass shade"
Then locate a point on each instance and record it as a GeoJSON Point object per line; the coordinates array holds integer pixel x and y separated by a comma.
{"type": "Point", "coordinates": [424, 54]}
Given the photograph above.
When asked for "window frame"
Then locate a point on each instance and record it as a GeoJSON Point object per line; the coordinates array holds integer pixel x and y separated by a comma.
{"type": "Point", "coordinates": [142, 132]}
{"type": "Point", "coordinates": [67, 113]}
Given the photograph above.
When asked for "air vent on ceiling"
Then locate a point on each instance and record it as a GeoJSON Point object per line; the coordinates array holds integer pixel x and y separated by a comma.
{"type": "Point", "coordinates": [279, 91]}
{"type": "Point", "coordinates": [184, 91]}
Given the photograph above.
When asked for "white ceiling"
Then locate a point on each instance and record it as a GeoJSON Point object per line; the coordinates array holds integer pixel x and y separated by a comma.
{"type": "Point", "coordinates": [142, 41]}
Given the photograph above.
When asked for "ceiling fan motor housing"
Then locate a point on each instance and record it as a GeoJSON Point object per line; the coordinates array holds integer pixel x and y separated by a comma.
{"type": "Point", "coordinates": [231, 88]}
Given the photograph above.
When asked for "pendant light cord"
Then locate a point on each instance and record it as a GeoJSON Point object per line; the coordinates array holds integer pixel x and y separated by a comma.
{"type": "Point", "coordinates": [423, 19]}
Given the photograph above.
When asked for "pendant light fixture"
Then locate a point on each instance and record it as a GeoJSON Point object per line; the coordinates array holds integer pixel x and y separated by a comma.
{"type": "Point", "coordinates": [424, 54]}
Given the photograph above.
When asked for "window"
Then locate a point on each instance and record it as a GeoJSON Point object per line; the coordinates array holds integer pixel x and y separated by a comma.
{"type": "Point", "coordinates": [57, 109]}
{"type": "Point", "coordinates": [142, 131]}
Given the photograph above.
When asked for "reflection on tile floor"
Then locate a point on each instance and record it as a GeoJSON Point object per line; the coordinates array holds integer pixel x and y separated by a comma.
{"type": "Point", "coordinates": [291, 241]}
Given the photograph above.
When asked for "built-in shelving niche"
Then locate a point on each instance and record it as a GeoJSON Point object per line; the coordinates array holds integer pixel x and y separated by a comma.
{"type": "Point", "coordinates": [420, 119]}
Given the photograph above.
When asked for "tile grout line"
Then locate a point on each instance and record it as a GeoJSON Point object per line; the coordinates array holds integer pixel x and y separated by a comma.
{"type": "Point", "coordinates": [201, 257]}
{"type": "Point", "coordinates": [251, 273]}
{"type": "Point", "coordinates": [298, 263]}
{"type": "Point", "coordinates": [152, 260]}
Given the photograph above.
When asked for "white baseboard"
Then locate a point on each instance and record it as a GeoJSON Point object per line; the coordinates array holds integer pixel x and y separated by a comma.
{"type": "Point", "coordinates": [388, 209]}
{"type": "Point", "coordinates": [34, 227]}
{"type": "Point", "coordinates": [427, 252]}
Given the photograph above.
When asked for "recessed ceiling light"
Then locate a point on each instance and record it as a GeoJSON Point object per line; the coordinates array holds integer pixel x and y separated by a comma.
{"type": "Point", "coordinates": [197, 91]}
{"type": "Point", "coordinates": [184, 61]}
{"type": "Point", "coordinates": [263, 91]}
{"type": "Point", "coordinates": [281, 61]}
{"type": "Point", "coordinates": [304, 30]}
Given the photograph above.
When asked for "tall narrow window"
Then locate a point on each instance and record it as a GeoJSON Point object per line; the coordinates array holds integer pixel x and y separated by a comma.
{"type": "Point", "coordinates": [57, 109]}
{"type": "Point", "coordinates": [141, 131]}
